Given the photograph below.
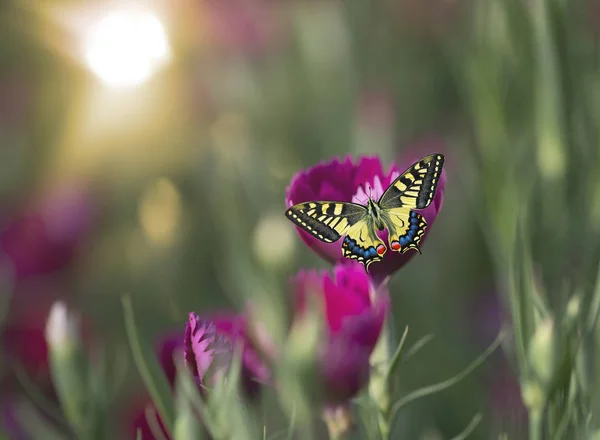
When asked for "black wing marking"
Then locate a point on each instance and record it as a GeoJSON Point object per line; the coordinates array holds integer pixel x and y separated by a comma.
{"type": "Point", "coordinates": [326, 221]}
{"type": "Point", "coordinates": [416, 187]}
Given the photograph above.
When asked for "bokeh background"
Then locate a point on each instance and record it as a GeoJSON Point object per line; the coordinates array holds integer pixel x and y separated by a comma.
{"type": "Point", "coordinates": [146, 146]}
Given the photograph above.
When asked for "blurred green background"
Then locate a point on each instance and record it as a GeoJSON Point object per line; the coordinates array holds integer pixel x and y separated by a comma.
{"type": "Point", "coordinates": [151, 155]}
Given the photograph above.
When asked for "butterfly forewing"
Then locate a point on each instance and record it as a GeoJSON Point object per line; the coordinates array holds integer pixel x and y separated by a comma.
{"type": "Point", "coordinates": [416, 187]}
{"type": "Point", "coordinates": [326, 221]}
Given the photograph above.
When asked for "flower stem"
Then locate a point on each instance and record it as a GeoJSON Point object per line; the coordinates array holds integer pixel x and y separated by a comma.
{"type": "Point", "coordinates": [535, 424]}
{"type": "Point", "coordinates": [379, 385]}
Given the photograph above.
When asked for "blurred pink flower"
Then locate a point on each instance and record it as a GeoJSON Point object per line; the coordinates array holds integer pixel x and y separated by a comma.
{"type": "Point", "coordinates": [354, 322]}
{"type": "Point", "coordinates": [135, 419]}
{"type": "Point", "coordinates": [353, 181]}
{"type": "Point", "coordinates": [9, 421]}
{"type": "Point", "coordinates": [250, 27]}
{"type": "Point", "coordinates": [23, 332]}
{"type": "Point", "coordinates": [237, 329]}
{"type": "Point", "coordinates": [44, 236]}
{"type": "Point", "coordinates": [189, 343]}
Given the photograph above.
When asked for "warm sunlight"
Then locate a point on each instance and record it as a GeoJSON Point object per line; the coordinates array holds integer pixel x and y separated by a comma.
{"type": "Point", "coordinates": [125, 47]}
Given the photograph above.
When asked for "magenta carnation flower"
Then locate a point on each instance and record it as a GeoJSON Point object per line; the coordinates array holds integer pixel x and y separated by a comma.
{"type": "Point", "coordinates": [355, 181]}
{"type": "Point", "coordinates": [354, 322]}
{"type": "Point", "coordinates": [205, 350]}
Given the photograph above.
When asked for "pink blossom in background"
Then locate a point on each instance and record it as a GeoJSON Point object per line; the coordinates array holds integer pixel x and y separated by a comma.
{"type": "Point", "coordinates": [247, 27]}
{"type": "Point", "coordinates": [44, 236]}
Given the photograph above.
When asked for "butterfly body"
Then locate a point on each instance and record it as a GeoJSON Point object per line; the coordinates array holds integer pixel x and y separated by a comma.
{"type": "Point", "coordinates": [395, 211]}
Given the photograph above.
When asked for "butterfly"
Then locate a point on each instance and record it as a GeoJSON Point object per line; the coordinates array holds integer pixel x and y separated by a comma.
{"type": "Point", "coordinates": [395, 211]}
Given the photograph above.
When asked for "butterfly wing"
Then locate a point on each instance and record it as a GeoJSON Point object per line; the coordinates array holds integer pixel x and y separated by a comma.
{"type": "Point", "coordinates": [416, 187]}
{"type": "Point", "coordinates": [326, 221]}
{"type": "Point", "coordinates": [405, 229]}
{"type": "Point", "coordinates": [362, 243]}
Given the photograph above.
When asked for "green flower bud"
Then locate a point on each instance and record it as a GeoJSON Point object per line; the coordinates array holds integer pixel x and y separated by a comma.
{"type": "Point", "coordinates": [542, 352]}
{"type": "Point", "coordinates": [533, 395]}
{"type": "Point", "coordinates": [69, 367]}
{"type": "Point", "coordinates": [187, 426]}
{"type": "Point", "coordinates": [339, 421]}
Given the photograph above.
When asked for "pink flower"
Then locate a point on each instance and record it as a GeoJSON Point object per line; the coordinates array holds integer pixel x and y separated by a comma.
{"type": "Point", "coordinates": [204, 342]}
{"type": "Point", "coordinates": [355, 181]}
{"type": "Point", "coordinates": [205, 350]}
{"type": "Point", "coordinates": [44, 236]}
{"type": "Point", "coordinates": [237, 329]}
{"type": "Point", "coordinates": [353, 322]}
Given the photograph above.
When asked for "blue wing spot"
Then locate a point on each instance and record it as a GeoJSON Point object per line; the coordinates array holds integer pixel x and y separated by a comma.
{"type": "Point", "coordinates": [413, 214]}
{"type": "Point", "coordinates": [402, 241]}
{"type": "Point", "coordinates": [408, 239]}
{"type": "Point", "coordinates": [412, 233]}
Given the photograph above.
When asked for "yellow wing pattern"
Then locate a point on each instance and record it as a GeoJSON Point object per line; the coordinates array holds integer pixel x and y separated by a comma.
{"type": "Point", "coordinates": [326, 221]}
{"type": "Point", "coordinates": [416, 187]}
{"type": "Point", "coordinates": [362, 244]}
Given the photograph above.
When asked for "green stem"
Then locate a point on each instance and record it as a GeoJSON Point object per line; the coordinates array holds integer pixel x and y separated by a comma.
{"type": "Point", "coordinates": [379, 385]}
{"type": "Point", "coordinates": [535, 424]}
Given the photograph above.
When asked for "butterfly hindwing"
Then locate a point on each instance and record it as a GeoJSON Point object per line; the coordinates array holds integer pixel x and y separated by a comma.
{"type": "Point", "coordinates": [326, 221]}
{"type": "Point", "coordinates": [405, 229]}
{"type": "Point", "coordinates": [362, 244]}
{"type": "Point", "coordinates": [416, 187]}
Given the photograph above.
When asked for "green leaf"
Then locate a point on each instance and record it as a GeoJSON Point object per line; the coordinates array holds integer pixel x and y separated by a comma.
{"type": "Point", "coordinates": [470, 427]}
{"type": "Point", "coordinates": [148, 367]}
{"type": "Point", "coordinates": [397, 356]}
{"type": "Point", "coordinates": [441, 386]}
{"type": "Point", "coordinates": [418, 346]}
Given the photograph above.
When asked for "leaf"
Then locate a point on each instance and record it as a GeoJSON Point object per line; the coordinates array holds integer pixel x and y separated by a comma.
{"type": "Point", "coordinates": [418, 346]}
{"type": "Point", "coordinates": [397, 356]}
{"type": "Point", "coordinates": [441, 386]}
{"type": "Point", "coordinates": [470, 427]}
{"type": "Point", "coordinates": [149, 370]}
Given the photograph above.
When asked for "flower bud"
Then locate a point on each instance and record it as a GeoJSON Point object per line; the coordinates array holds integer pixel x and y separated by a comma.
{"type": "Point", "coordinates": [187, 426]}
{"type": "Point", "coordinates": [542, 352]}
{"type": "Point", "coordinates": [274, 241]}
{"type": "Point", "coordinates": [533, 395]}
{"type": "Point", "coordinates": [68, 366]}
{"type": "Point", "coordinates": [61, 328]}
{"type": "Point", "coordinates": [339, 420]}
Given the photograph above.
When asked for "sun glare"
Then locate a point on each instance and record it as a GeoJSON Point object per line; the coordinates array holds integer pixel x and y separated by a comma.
{"type": "Point", "coordinates": [125, 47]}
